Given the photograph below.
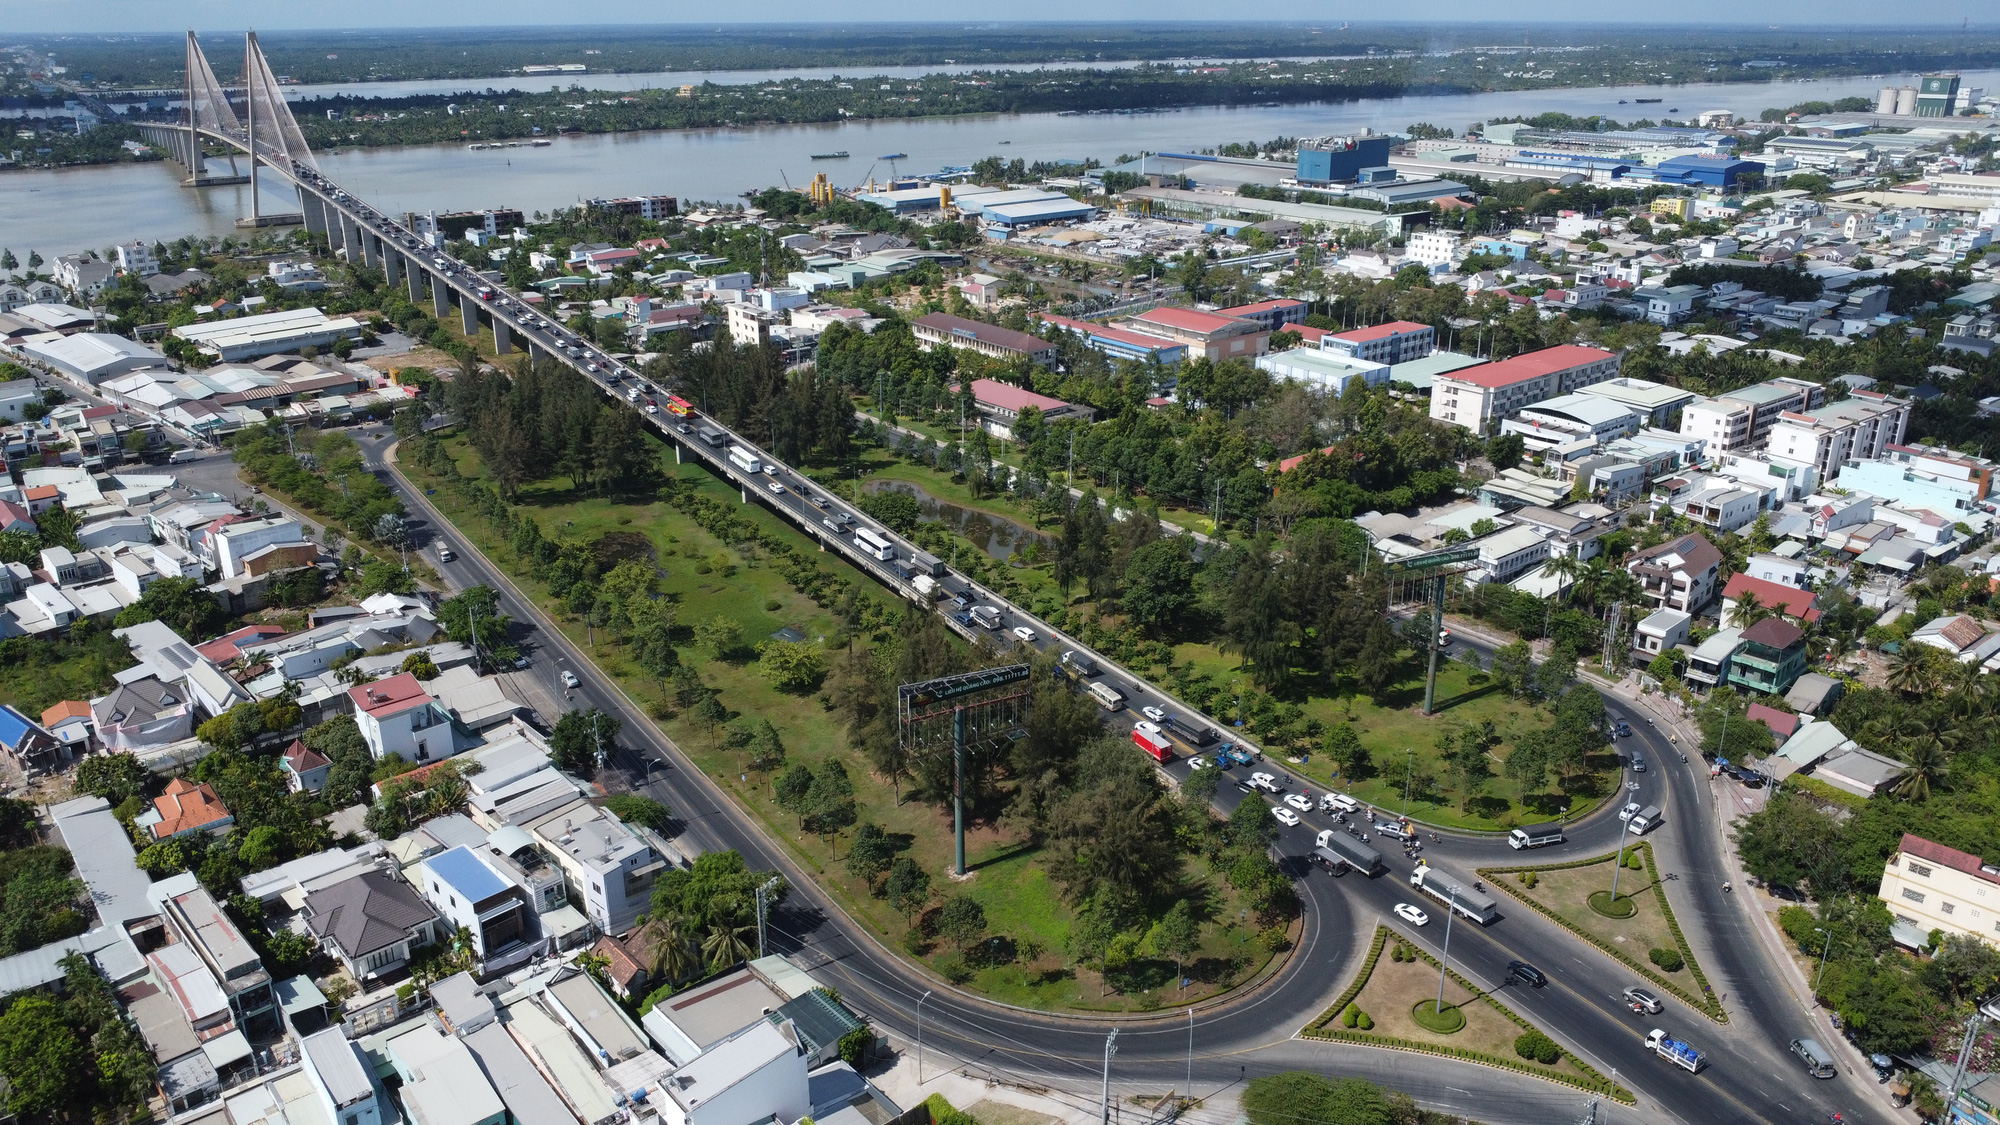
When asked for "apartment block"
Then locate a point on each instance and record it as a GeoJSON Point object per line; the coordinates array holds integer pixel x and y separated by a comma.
{"type": "Point", "coordinates": [1214, 335]}
{"type": "Point", "coordinates": [610, 869]}
{"type": "Point", "coordinates": [945, 330]}
{"type": "Point", "coordinates": [1395, 342]}
{"type": "Point", "coordinates": [1861, 428]}
{"type": "Point", "coordinates": [1928, 886]}
{"type": "Point", "coordinates": [1743, 417]}
{"type": "Point", "coordinates": [1477, 397]}
{"type": "Point", "coordinates": [1679, 574]}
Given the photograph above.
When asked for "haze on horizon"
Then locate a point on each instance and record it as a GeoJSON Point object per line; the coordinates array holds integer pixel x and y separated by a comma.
{"type": "Point", "coordinates": [98, 17]}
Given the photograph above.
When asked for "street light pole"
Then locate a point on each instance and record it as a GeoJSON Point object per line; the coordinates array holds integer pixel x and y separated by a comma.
{"type": "Point", "coordinates": [1824, 954]}
{"type": "Point", "coordinates": [1616, 871]}
{"type": "Point", "coordinates": [1190, 1061]}
{"type": "Point", "coordinates": [920, 1035]}
{"type": "Point", "coordinates": [1110, 1049]}
{"type": "Point", "coordinates": [1409, 764]}
{"type": "Point", "coordinates": [1446, 958]}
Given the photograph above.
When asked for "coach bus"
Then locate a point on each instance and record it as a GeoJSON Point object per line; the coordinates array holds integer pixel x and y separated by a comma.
{"type": "Point", "coordinates": [1108, 697]}
{"type": "Point", "coordinates": [875, 543]}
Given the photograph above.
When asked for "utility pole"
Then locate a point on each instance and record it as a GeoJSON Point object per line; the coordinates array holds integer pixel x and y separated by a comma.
{"type": "Point", "coordinates": [1110, 1049]}
{"type": "Point", "coordinates": [1824, 954]}
{"type": "Point", "coordinates": [597, 735]}
{"type": "Point", "coordinates": [1409, 764]}
{"type": "Point", "coordinates": [764, 890]}
{"type": "Point", "coordinates": [1190, 1062]}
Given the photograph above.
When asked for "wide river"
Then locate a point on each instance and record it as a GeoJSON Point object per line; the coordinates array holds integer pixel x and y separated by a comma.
{"type": "Point", "coordinates": [68, 210]}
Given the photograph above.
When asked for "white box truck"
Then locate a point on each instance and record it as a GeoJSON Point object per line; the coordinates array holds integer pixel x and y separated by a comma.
{"type": "Point", "coordinates": [1645, 820]}
{"type": "Point", "coordinates": [1454, 894]}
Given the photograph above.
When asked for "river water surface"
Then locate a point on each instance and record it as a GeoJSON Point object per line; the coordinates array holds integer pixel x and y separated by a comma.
{"type": "Point", "coordinates": [67, 210]}
{"type": "Point", "coordinates": [1000, 538]}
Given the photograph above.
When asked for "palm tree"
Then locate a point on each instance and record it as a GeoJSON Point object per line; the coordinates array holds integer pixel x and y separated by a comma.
{"type": "Point", "coordinates": [1749, 610]}
{"type": "Point", "coordinates": [1910, 669]}
{"type": "Point", "coordinates": [1590, 581]}
{"type": "Point", "coordinates": [728, 942]}
{"type": "Point", "coordinates": [1566, 569]}
{"type": "Point", "coordinates": [1620, 586]}
{"type": "Point", "coordinates": [1926, 760]}
{"type": "Point", "coordinates": [671, 943]}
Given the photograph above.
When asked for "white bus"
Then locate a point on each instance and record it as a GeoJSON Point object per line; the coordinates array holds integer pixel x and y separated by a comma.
{"type": "Point", "coordinates": [1107, 697]}
{"type": "Point", "coordinates": [875, 543]}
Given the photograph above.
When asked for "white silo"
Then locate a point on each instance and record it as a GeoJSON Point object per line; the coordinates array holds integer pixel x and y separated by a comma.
{"type": "Point", "coordinates": [1885, 101]}
{"type": "Point", "coordinates": [1906, 102]}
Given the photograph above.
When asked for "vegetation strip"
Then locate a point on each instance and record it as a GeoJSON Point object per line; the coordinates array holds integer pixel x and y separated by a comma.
{"type": "Point", "coordinates": [1320, 1028]}
{"type": "Point", "coordinates": [1707, 1002]}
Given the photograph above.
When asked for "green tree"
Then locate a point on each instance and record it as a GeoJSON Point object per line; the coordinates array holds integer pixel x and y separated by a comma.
{"type": "Point", "coordinates": [871, 853]}
{"type": "Point", "coordinates": [793, 791]}
{"type": "Point", "coordinates": [42, 1059]}
{"type": "Point", "coordinates": [909, 887]}
{"type": "Point", "coordinates": [643, 811]}
{"type": "Point", "coordinates": [579, 736]}
{"type": "Point", "coordinates": [181, 603]}
{"type": "Point", "coordinates": [1513, 667]}
{"type": "Point", "coordinates": [1251, 825]}
{"type": "Point", "coordinates": [793, 667]}
{"type": "Point", "coordinates": [1176, 936]}
{"type": "Point", "coordinates": [1343, 745]}
{"type": "Point", "coordinates": [114, 777]}
{"type": "Point", "coordinates": [829, 800]}
{"type": "Point", "coordinates": [721, 636]}
{"type": "Point", "coordinates": [1159, 584]}
{"type": "Point", "coordinates": [962, 921]}
{"type": "Point", "coordinates": [420, 665]}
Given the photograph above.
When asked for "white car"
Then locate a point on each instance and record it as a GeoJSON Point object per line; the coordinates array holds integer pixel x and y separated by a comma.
{"type": "Point", "coordinates": [1024, 634]}
{"type": "Point", "coordinates": [1412, 915]}
{"type": "Point", "coordinates": [1285, 816]}
{"type": "Point", "coordinates": [569, 679]}
{"type": "Point", "coordinates": [1338, 802]}
{"type": "Point", "coordinates": [1157, 714]}
{"type": "Point", "coordinates": [1149, 728]}
{"type": "Point", "coordinates": [1266, 782]}
{"type": "Point", "coordinates": [651, 409]}
{"type": "Point", "coordinates": [1629, 811]}
{"type": "Point", "coordinates": [775, 487]}
{"type": "Point", "coordinates": [1200, 763]}
{"type": "Point", "coordinates": [1299, 801]}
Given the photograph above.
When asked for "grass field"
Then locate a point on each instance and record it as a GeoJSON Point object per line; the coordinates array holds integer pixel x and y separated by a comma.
{"type": "Point", "coordinates": [709, 578]}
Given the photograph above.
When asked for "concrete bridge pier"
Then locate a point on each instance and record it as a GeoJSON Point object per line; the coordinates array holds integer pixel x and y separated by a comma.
{"type": "Point", "coordinates": [392, 264]}
{"type": "Point", "coordinates": [350, 238]}
{"type": "Point", "coordinates": [468, 315]}
{"type": "Point", "coordinates": [370, 254]}
{"type": "Point", "coordinates": [416, 280]}
{"type": "Point", "coordinates": [314, 212]}
{"type": "Point", "coordinates": [440, 299]}
{"type": "Point", "coordinates": [503, 342]}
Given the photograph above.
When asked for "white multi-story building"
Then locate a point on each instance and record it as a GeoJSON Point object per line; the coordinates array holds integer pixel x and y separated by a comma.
{"type": "Point", "coordinates": [340, 1078]}
{"type": "Point", "coordinates": [233, 543]}
{"type": "Point", "coordinates": [137, 257]}
{"type": "Point", "coordinates": [397, 716]}
{"type": "Point", "coordinates": [1476, 397]}
{"type": "Point", "coordinates": [609, 867]}
{"type": "Point", "coordinates": [1432, 249]}
{"type": "Point", "coordinates": [1858, 429]}
{"type": "Point", "coordinates": [1932, 887]}
{"type": "Point", "coordinates": [1741, 418]}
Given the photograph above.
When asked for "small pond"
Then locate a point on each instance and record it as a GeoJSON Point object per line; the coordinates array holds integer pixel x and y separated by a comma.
{"type": "Point", "coordinates": [999, 537]}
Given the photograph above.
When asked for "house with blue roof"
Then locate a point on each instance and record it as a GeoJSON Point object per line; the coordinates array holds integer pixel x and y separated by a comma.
{"type": "Point", "coordinates": [31, 749]}
{"type": "Point", "coordinates": [471, 893]}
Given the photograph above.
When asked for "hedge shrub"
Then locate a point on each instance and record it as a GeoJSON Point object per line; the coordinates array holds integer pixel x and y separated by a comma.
{"type": "Point", "coordinates": [1669, 960]}
{"type": "Point", "coordinates": [1534, 1045]}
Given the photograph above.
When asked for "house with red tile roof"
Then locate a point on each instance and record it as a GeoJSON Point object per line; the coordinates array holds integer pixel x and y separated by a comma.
{"type": "Point", "coordinates": [1797, 604]}
{"type": "Point", "coordinates": [305, 768]}
{"type": "Point", "coordinates": [1928, 886]}
{"type": "Point", "coordinates": [229, 646]}
{"type": "Point", "coordinates": [1275, 314]}
{"type": "Point", "coordinates": [14, 517]}
{"type": "Point", "coordinates": [398, 716]}
{"type": "Point", "coordinates": [1783, 724]}
{"type": "Point", "coordinates": [187, 807]}
{"type": "Point", "coordinates": [1000, 406]}
{"type": "Point", "coordinates": [71, 722]}
{"type": "Point", "coordinates": [42, 497]}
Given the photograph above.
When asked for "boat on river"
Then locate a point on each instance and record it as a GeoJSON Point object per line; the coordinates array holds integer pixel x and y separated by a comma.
{"type": "Point", "coordinates": [841, 155]}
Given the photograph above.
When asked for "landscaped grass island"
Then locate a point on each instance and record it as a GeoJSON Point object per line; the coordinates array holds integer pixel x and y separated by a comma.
{"type": "Point", "coordinates": [1637, 926]}
{"type": "Point", "coordinates": [1392, 1002]}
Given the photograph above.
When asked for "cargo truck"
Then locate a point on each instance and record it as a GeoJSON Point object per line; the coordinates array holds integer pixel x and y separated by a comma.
{"type": "Point", "coordinates": [926, 563]}
{"type": "Point", "coordinates": [1535, 836]}
{"type": "Point", "coordinates": [1675, 1051]}
{"type": "Point", "coordinates": [1352, 852]}
{"type": "Point", "coordinates": [1159, 748]}
{"type": "Point", "coordinates": [711, 435]}
{"type": "Point", "coordinates": [744, 459]}
{"type": "Point", "coordinates": [987, 616]}
{"type": "Point", "coordinates": [1645, 820]}
{"type": "Point", "coordinates": [1079, 665]}
{"type": "Point", "coordinates": [1454, 894]}
{"type": "Point", "coordinates": [927, 587]}
{"type": "Point", "coordinates": [1187, 730]}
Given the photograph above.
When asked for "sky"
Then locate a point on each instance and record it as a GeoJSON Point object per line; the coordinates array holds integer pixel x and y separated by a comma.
{"type": "Point", "coordinates": [100, 16]}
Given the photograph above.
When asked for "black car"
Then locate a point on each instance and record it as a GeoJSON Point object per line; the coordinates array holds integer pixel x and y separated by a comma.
{"type": "Point", "coordinates": [1527, 974]}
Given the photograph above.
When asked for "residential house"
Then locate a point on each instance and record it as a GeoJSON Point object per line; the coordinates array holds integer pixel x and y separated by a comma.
{"type": "Point", "coordinates": [1506, 555]}
{"type": "Point", "coordinates": [1928, 886]}
{"type": "Point", "coordinates": [71, 722]}
{"type": "Point", "coordinates": [341, 1078]}
{"type": "Point", "coordinates": [1678, 574]}
{"type": "Point", "coordinates": [30, 748]}
{"type": "Point", "coordinates": [467, 893]}
{"type": "Point", "coordinates": [305, 768]}
{"type": "Point", "coordinates": [1659, 631]}
{"type": "Point", "coordinates": [145, 714]}
{"type": "Point", "coordinates": [1963, 637]}
{"type": "Point", "coordinates": [1000, 406]}
{"type": "Point", "coordinates": [1790, 601]}
{"type": "Point", "coordinates": [756, 1074]}
{"type": "Point", "coordinates": [1708, 665]}
{"type": "Point", "coordinates": [398, 716]}
{"type": "Point", "coordinates": [372, 923]}
{"type": "Point", "coordinates": [609, 867]}
{"type": "Point", "coordinates": [1772, 658]}
{"type": "Point", "coordinates": [1781, 724]}
{"type": "Point", "coordinates": [186, 809]}
{"type": "Point", "coordinates": [198, 921]}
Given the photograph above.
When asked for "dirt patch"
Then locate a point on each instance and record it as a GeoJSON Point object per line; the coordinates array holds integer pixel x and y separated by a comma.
{"type": "Point", "coordinates": [990, 1112]}
{"type": "Point", "coordinates": [614, 547]}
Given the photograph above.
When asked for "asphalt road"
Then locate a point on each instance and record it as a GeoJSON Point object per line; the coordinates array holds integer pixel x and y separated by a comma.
{"type": "Point", "coordinates": [1749, 1077]}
